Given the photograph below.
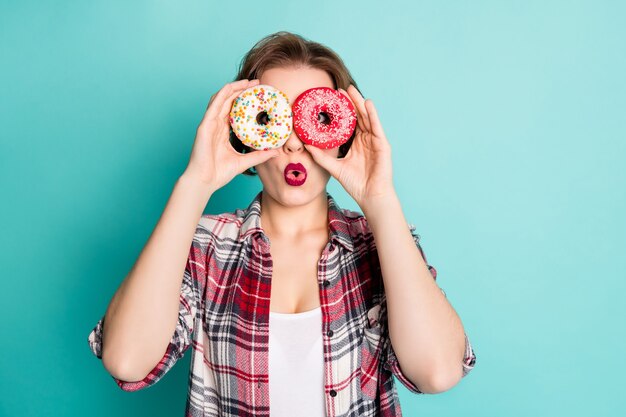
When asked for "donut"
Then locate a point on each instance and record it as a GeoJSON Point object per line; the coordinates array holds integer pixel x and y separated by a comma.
{"type": "Point", "coordinates": [323, 117]}
{"type": "Point", "coordinates": [261, 117]}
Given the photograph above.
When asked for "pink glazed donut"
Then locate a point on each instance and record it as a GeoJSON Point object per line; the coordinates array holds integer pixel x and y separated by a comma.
{"type": "Point", "coordinates": [323, 117]}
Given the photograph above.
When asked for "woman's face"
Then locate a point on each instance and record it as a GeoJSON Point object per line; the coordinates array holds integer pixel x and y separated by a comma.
{"type": "Point", "coordinates": [293, 81]}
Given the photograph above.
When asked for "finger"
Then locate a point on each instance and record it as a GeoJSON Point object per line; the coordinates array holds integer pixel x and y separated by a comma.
{"type": "Point", "coordinates": [210, 101]}
{"type": "Point", "coordinates": [228, 104]}
{"type": "Point", "coordinates": [223, 94]}
{"type": "Point", "coordinates": [257, 157]}
{"type": "Point", "coordinates": [329, 163]}
{"type": "Point", "coordinates": [377, 128]}
{"type": "Point", "coordinates": [360, 105]}
{"type": "Point", "coordinates": [359, 120]}
{"type": "Point", "coordinates": [345, 93]}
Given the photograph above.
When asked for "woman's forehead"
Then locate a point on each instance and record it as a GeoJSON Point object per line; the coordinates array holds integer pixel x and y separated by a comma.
{"type": "Point", "coordinates": [294, 80]}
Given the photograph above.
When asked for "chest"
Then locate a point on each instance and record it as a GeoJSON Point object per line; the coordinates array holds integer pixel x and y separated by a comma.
{"type": "Point", "coordinates": [292, 277]}
{"type": "Point", "coordinates": [294, 282]}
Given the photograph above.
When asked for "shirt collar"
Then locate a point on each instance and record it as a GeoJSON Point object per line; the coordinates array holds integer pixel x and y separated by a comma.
{"type": "Point", "coordinates": [338, 225]}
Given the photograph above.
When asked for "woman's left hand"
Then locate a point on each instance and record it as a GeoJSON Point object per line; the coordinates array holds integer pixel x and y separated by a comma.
{"type": "Point", "coordinates": [365, 172]}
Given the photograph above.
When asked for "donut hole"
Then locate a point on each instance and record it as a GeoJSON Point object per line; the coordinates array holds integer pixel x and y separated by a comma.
{"type": "Point", "coordinates": [323, 118]}
{"type": "Point", "coordinates": [263, 118]}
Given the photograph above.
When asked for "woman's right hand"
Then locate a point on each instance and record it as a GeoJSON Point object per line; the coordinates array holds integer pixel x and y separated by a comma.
{"type": "Point", "coordinates": [213, 160]}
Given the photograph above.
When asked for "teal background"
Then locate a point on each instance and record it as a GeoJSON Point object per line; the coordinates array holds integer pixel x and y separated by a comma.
{"type": "Point", "coordinates": [506, 121]}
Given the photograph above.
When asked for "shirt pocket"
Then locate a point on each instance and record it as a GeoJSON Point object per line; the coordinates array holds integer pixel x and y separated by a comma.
{"type": "Point", "coordinates": [370, 352]}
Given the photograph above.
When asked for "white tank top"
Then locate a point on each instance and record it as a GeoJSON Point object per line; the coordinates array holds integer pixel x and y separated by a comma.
{"type": "Point", "coordinates": [296, 364]}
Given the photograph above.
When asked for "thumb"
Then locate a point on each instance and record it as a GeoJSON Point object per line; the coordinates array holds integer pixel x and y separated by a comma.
{"type": "Point", "coordinates": [327, 162]}
{"type": "Point", "coordinates": [257, 157]}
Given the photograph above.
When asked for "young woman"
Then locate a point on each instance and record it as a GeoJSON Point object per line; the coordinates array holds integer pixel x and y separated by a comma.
{"type": "Point", "coordinates": [293, 306]}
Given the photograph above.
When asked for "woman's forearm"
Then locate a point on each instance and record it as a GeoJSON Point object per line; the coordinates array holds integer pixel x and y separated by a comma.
{"type": "Point", "coordinates": [426, 333]}
{"type": "Point", "coordinates": [142, 315]}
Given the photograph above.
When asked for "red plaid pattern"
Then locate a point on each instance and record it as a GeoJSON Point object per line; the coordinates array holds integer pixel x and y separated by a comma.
{"type": "Point", "coordinates": [224, 316]}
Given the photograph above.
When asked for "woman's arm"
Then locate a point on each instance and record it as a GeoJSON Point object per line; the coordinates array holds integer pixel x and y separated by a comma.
{"type": "Point", "coordinates": [425, 331]}
{"type": "Point", "coordinates": [142, 315]}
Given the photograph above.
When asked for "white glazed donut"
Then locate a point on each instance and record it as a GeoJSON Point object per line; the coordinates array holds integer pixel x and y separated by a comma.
{"type": "Point", "coordinates": [261, 117]}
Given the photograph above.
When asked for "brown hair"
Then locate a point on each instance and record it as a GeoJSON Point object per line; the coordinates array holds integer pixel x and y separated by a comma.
{"type": "Point", "coordinates": [284, 49]}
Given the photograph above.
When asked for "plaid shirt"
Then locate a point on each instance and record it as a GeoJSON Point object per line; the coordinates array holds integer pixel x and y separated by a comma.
{"type": "Point", "coordinates": [224, 316]}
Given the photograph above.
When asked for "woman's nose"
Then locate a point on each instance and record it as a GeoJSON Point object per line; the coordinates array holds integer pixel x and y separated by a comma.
{"type": "Point", "coordinates": [293, 144]}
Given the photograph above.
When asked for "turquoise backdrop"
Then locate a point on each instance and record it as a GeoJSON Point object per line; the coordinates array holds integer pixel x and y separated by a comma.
{"type": "Point", "coordinates": [506, 121]}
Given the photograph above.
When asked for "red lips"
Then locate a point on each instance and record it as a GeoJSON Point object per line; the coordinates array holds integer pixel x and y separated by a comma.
{"type": "Point", "coordinates": [295, 174]}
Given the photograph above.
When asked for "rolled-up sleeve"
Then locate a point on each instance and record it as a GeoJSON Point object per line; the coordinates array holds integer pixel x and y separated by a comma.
{"type": "Point", "coordinates": [391, 363]}
{"type": "Point", "coordinates": [188, 311]}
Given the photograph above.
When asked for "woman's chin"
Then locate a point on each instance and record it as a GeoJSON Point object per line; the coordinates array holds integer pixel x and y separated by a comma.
{"type": "Point", "coordinates": [290, 195]}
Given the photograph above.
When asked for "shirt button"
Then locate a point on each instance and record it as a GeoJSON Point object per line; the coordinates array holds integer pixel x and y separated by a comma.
{"type": "Point", "coordinates": [329, 333]}
{"type": "Point", "coordinates": [326, 283]}
{"type": "Point", "coordinates": [333, 393]}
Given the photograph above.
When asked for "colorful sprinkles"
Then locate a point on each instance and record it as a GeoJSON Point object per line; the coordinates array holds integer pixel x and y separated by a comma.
{"type": "Point", "coordinates": [250, 104]}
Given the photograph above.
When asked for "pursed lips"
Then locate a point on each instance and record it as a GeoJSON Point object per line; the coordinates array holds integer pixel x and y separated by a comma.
{"type": "Point", "coordinates": [295, 169]}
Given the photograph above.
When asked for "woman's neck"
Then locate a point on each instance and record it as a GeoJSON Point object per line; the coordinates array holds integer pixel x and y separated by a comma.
{"type": "Point", "coordinates": [290, 222]}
